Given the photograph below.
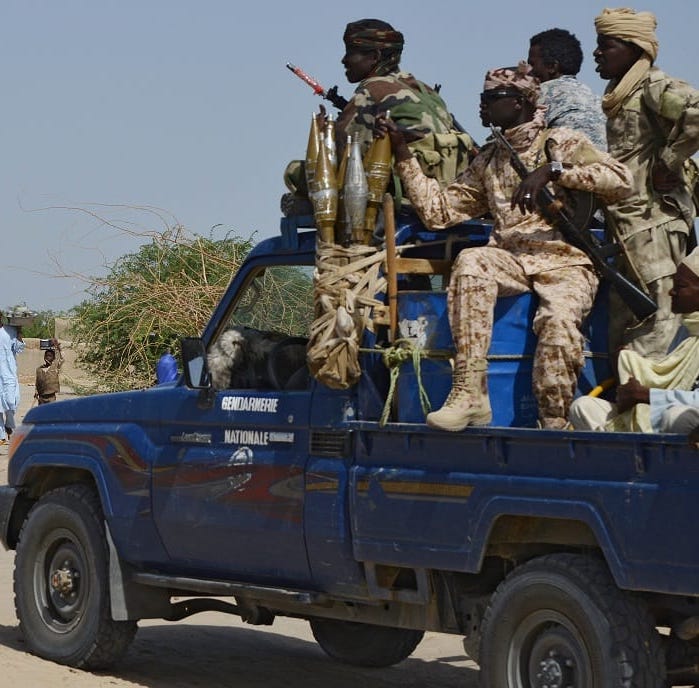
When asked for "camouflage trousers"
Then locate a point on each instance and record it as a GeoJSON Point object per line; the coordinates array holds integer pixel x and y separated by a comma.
{"type": "Point", "coordinates": [565, 294]}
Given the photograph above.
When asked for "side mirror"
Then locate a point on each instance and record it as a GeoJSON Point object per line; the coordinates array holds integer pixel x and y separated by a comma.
{"type": "Point", "coordinates": [196, 370]}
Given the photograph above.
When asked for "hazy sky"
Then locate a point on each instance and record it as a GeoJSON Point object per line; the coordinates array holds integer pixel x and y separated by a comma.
{"type": "Point", "coordinates": [136, 114]}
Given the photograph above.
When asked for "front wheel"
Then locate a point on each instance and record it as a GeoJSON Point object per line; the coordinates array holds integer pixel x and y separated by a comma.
{"type": "Point", "coordinates": [364, 645]}
{"type": "Point", "coordinates": [61, 582]}
{"type": "Point", "coordinates": [560, 621]}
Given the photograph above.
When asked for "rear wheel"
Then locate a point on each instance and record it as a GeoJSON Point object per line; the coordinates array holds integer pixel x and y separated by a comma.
{"type": "Point", "coordinates": [61, 582]}
{"type": "Point", "coordinates": [364, 645]}
{"type": "Point", "coordinates": [561, 622]}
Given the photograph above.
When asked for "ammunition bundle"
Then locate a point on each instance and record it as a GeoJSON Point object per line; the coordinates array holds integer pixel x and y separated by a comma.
{"type": "Point", "coordinates": [346, 197]}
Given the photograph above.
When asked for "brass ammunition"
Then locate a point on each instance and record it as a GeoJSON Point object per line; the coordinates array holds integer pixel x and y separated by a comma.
{"type": "Point", "coordinates": [378, 171]}
{"type": "Point", "coordinates": [329, 140]}
{"type": "Point", "coordinates": [312, 152]}
{"type": "Point", "coordinates": [324, 195]}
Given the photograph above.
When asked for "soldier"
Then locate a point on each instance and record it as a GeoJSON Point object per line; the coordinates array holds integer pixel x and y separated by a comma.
{"type": "Point", "coordinates": [555, 56]}
{"type": "Point", "coordinates": [373, 50]}
{"type": "Point", "coordinates": [653, 128]}
{"type": "Point", "coordinates": [525, 253]}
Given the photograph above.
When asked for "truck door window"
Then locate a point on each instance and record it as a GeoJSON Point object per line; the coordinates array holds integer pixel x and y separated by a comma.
{"type": "Point", "coordinates": [262, 345]}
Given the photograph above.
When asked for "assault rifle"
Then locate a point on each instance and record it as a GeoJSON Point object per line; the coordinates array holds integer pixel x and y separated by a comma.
{"type": "Point", "coordinates": [331, 94]}
{"type": "Point", "coordinates": [640, 304]}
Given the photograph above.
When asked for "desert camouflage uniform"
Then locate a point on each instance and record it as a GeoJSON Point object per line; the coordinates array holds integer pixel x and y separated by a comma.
{"type": "Point", "coordinates": [525, 253]}
{"type": "Point", "coordinates": [572, 104]}
{"type": "Point", "coordinates": [659, 120]}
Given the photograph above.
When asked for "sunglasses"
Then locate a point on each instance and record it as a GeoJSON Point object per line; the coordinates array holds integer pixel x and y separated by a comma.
{"type": "Point", "coordinates": [487, 96]}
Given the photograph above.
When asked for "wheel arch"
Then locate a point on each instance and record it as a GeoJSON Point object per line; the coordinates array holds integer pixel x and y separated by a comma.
{"type": "Point", "coordinates": [38, 479]}
{"type": "Point", "coordinates": [520, 528]}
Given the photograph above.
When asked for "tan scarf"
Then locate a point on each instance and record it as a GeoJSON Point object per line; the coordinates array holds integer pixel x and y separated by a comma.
{"type": "Point", "coordinates": [618, 91]}
{"type": "Point", "coordinates": [633, 27]}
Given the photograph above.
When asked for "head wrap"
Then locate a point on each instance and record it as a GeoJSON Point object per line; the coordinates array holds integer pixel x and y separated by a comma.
{"type": "Point", "coordinates": [633, 27]}
{"type": "Point", "coordinates": [519, 78]}
{"type": "Point", "coordinates": [374, 34]}
{"type": "Point", "coordinates": [692, 261]}
{"type": "Point", "coordinates": [630, 26]}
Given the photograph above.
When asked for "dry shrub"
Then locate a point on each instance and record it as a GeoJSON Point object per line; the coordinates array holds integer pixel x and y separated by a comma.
{"type": "Point", "coordinates": [167, 289]}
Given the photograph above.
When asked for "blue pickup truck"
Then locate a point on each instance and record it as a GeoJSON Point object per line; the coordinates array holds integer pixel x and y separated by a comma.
{"type": "Point", "coordinates": [564, 559]}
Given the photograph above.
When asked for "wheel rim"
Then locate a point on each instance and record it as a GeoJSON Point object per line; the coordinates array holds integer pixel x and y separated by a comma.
{"type": "Point", "coordinates": [548, 651]}
{"type": "Point", "coordinates": [61, 583]}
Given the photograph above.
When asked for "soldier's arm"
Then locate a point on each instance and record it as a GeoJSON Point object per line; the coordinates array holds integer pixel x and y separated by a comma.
{"type": "Point", "coordinates": [438, 208]}
{"type": "Point", "coordinates": [679, 104]}
{"type": "Point", "coordinates": [587, 168]}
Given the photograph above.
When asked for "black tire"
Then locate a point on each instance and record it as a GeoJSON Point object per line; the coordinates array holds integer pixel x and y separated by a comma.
{"type": "Point", "coordinates": [364, 645]}
{"type": "Point", "coordinates": [63, 543]}
{"type": "Point", "coordinates": [561, 621]}
{"type": "Point", "coordinates": [682, 661]}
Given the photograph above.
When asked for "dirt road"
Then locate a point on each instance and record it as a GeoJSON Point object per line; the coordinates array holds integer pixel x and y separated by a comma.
{"type": "Point", "coordinates": [217, 651]}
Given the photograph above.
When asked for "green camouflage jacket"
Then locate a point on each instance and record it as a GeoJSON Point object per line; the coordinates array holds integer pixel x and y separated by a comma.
{"type": "Point", "coordinates": [419, 111]}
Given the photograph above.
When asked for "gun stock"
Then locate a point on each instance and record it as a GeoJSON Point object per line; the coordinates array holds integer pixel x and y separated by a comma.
{"type": "Point", "coordinates": [640, 304]}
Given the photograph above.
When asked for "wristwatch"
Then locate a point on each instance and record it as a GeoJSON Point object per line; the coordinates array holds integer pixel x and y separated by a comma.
{"type": "Point", "coordinates": [556, 169]}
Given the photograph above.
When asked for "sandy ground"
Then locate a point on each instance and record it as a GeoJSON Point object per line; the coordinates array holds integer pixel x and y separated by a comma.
{"type": "Point", "coordinates": [217, 650]}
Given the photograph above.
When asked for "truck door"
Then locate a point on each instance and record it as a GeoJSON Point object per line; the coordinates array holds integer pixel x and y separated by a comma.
{"type": "Point", "coordinates": [228, 487]}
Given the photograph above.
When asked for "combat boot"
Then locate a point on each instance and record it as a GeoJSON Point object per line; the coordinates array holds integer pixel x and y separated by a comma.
{"type": "Point", "coordinates": [468, 402]}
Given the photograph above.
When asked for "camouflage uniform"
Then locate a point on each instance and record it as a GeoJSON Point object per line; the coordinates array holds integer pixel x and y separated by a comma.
{"type": "Point", "coordinates": [658, 120]}
{"type": "Point", "coordinates": [394, 92]}
{"type": "Point", "coordinates": [572, 104]}
{"type": "Point", "coordinates": [415, 107]}
{"type": "Point", "coordinates": [525, 253]}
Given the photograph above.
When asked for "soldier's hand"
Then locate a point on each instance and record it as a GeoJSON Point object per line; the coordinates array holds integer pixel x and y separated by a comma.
{"type": "Point", "coordinates": [384, 125]}
{"type": "Point", "coordinates": [526, 193]}
{"type": "Point", "coordinates": [631, 393]}
{"type": "Point", "coordinates": [322, 116]}
{"type": "Point", "coordinates": [664, 179]}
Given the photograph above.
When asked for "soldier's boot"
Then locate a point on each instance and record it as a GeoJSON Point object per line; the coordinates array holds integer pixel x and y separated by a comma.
{"type": "Point", "coordinates": [468, 402]}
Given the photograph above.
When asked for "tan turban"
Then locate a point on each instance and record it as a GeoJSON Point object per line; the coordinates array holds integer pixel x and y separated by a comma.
{"type": "Point", "coordinates": [631, 26]}
{"type": "Point", "coordinates": [692, 261]}
{"type": "Point", "coordinates": [519, 78]}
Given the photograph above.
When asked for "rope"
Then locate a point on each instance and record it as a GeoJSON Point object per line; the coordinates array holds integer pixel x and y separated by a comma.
{"type": "Point", "coordinates": [393, 357]}
{"type": "Point", "coordinates": [345, 285]}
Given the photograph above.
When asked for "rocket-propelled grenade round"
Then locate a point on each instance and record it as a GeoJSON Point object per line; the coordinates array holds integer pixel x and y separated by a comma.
{"type": "Point", "coordinates": [317, 88]}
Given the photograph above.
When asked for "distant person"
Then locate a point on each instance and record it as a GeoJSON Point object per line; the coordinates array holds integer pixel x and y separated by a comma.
{"type": "Point", "coordinates": [166, 368]}
{"type": "Point", "coordinates": [655, 396]}
{"type": "Point", "coordinates": [11, 344]}
{"type": "Point", "coordinates": [47, 383]}
{"type": "Point", "coordinates": [556, 56]}
{"type": "Point", "coordinates": [653, 128]}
